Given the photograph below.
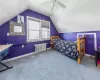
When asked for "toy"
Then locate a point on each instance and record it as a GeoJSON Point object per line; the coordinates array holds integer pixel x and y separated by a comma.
{"type": "Point", "coordinates": [98, 63]}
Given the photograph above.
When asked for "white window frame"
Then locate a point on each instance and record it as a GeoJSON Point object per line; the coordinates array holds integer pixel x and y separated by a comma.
{"type": "Point", "coordinates": [46, 30]}
{"type": "Point", "coordinates": [40, 39]}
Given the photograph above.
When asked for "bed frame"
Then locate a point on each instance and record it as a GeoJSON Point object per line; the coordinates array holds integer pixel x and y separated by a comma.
{"type": "Point", "coordinates": [51, 38]}
{"type": "Point", "coordinates": [81, 48]}
{"type": "Point", "coordinates": [80, 41]}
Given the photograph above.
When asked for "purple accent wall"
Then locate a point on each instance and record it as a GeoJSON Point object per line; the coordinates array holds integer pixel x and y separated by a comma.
{"type": "Point", "coordinates": [69, 36]}
{"type": "Point", "coordinates": [16, 49]}
{"type": "Point", "coordinates": [0, 35]}
{"type": "Point", "coordinates": [73, 37]}
{"type": "Point", "coordinates": [90, 44]}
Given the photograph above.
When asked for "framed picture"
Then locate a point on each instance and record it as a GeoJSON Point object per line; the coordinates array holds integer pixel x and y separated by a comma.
{"type": "Point", "coordinates": [16, 28]}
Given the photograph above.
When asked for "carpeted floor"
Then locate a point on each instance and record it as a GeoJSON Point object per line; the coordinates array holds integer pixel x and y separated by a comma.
{"type": "Point", "coordinates": [51, 65]}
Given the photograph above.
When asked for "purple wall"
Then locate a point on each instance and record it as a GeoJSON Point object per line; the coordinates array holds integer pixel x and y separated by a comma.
{"type": "Point", "coordinates": [69, 36]}
{"type": "Point", "coordinates": [0, 36]}
{"type": "Point", "coordinates": [17, 50]}
{"type": "Point", "coordinates": [73, 37]}
{"type": "Point", "coordinates": [89, 44]}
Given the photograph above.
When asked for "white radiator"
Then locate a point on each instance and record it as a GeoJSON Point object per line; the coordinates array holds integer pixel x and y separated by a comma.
{"type": "Point", "coordinates": [40, 47]}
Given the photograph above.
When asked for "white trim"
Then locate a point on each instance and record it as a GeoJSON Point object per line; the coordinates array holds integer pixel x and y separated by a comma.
{"type": "Point", "coordinates": [34, 30]}
{"type": "Point", "coordinates": [39, 32]}
{"type": "Point", "coordinates": [95, 38]}
{"type": "Point", "coordinates": [22, 56]}
{"type": "Point", "coordinates": [44, 20]}
{"type": "Point", "coordinates": [46, 30]}
{"type": "Point", "coordinates": [27, 27]}
{"type": "Point", "coordinates": [33, 18]}
{"type": "Point", "coordinates": [38, 40]}
{"type": "Point", "coordinates": [88, 55]}
{"type": "Point", "coordinates": [49, 48]}
{"type": "Point", "coordinates": [18, 57]}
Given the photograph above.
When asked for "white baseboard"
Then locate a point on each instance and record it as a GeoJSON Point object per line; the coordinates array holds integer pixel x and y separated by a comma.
{"type": "Point", "coordinates": [18, 57]}
{"type": "Point", "coordinates": [49, 48]}
{"type": "Point", "coordinates": [87, 55]}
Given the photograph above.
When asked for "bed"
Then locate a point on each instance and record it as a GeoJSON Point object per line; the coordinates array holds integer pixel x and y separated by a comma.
{"type": "Point", "coordinates": [68, 48]}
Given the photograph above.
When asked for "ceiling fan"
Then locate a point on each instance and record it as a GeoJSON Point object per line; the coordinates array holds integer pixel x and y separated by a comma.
{"type": "Point", "coordinates": [55, 3]}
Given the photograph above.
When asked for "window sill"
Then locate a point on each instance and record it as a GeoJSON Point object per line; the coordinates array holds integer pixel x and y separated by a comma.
{"type": "Point", "coordinates": [37, 40]}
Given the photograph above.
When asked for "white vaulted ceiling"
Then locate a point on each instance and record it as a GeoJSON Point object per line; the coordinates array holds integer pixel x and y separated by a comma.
{"type": "Point", "coordinates": [11, 8]}
{"type": "Point", "coordinates": [79, 15]}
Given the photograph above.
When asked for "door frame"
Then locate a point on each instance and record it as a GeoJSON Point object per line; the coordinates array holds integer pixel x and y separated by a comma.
{"type": "Point", "coordinates": [95, 38]}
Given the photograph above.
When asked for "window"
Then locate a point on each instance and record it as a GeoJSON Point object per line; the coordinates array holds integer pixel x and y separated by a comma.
{"type": "Point", "coordinates": [45, 26]}
{"type": "Point", "coordinates": [37, 29]}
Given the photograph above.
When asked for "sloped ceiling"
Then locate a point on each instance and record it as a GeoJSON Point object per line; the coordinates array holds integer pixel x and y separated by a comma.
{"type": "Point", "coordinates": [80, 15]}
{"type": "Point", "coordinates": [10, 8]}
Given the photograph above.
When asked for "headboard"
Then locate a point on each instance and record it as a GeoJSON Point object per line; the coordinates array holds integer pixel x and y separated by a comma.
{"type": "Point", "coordinates": [53, 37]}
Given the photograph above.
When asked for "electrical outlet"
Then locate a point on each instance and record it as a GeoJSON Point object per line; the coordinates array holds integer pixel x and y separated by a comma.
{"type": "Point", "coordinates": [7, 34]}
{"type": "Point", "coordinates": [22, 46]}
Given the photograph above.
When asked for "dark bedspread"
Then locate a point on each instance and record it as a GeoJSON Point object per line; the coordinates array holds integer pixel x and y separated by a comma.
{"type": "Point", "coordinates": [67, 48]}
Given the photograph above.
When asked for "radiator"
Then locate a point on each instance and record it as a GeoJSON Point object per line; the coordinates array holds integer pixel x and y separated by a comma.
{"type": "Point", "coordinates": [40, 47]}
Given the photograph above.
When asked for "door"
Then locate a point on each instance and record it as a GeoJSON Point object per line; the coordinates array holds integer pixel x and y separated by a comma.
{"type": "Point", "coordinates": [89, 44]}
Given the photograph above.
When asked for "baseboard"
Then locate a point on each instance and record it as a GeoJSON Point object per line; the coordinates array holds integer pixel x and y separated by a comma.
{"type": "Point", "coordinates": [18, 57]}
{"type": "Point", "coordinates": [87, 55]}
{"type": "Point", "coordinates": [49, 48]}
{"type": "Point", "coordinates": [22, 56]}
